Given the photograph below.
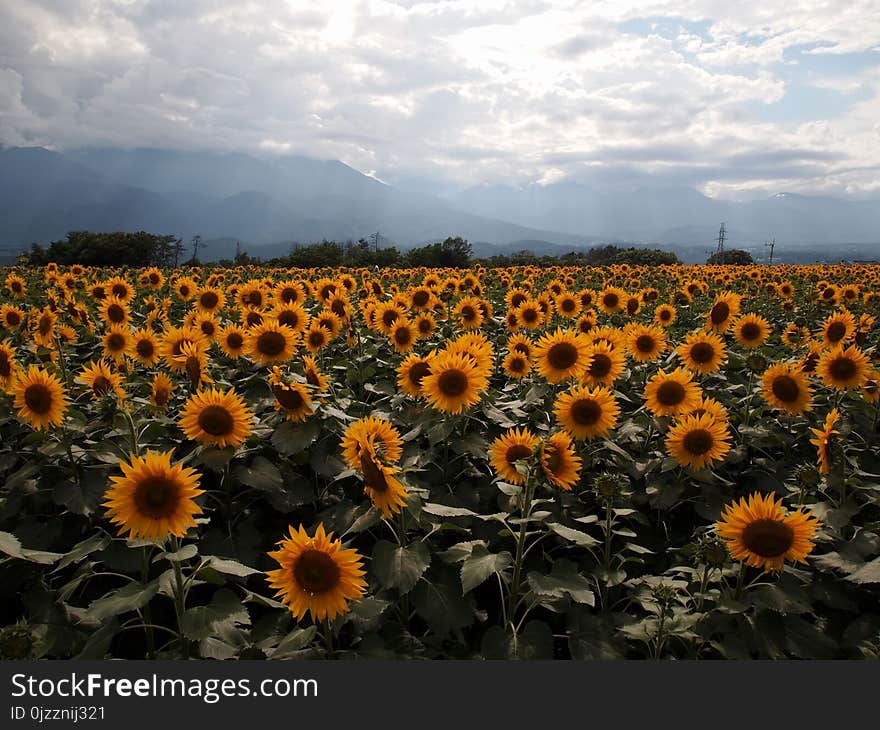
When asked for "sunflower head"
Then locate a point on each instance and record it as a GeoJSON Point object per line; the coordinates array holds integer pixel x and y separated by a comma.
{"type": "Point", "coordinates": [40, 398]}
{"type": "Point", "coordinates": [559, 461]}
{"type": "Point", "coordinates": [217, 418]}
{"type": "Point", "coordinates": [510, 453]}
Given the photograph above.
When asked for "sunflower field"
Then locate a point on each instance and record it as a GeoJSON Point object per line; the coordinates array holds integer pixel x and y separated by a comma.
{"type": "Point", "coordinates": [571, 462]}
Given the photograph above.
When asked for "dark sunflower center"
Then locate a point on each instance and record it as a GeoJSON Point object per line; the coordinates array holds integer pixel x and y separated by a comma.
{"type": "Point", "coordinates": [750, 331]}
{"type": "Point", "coordinates": [253, 318]}
{"type": "Point", "coordinates": [562, 355]}
{"type": "Point", "coordinates": [420, 298]}
{"type": "Point", "coordinates": [38, 398]}
{"type": "Point", "coordinates": [601, 365]}
{"type": "Point", "coordinates": [417, 372]}
{"type": "Point", "coordinates": [115, 313]}
{"type": "Point", "coordinates": [586, 412]}
{"type": "Point", "coordinates": [424, 325]}
{"type": "Point", "coordinates": [5, 365]}
{"type": "Point", "coordinates": [517, 364]}
{"type": "Point", "coordinates": [216, 421]}
{"type": "Point", "coordinates": [785, 388]}
{"type": "Point", "coordinates": [836, 331]}
{"type": "Point", "coordinates": [611, 300]}
{"type": "Point", "coordinates": [768, 538]}
{"type": "Point", "coordinates": [271, 343]}
{"type": "Point", "coordinates": [156, 497]}
{"type": "Point", "coordinates": [517, 299]}
{"type": "Point", "coordinates": [116, 342]}
{"type": "Point", "coordinates": [208, 327]}
{"type": "Point", "coordinates": [316, 338]}
{"type": "Point", "coordinates": [45, 324]}
{"type": "Point", "coordinates": [119, 290]}
{"type": "Point", "coordinates": [670, 393]}
{"type": "Point", "coordinates": [702, 352]}
{"type": "Point", "coordinates": [632, 306]}
{"type": "Point", "coordinates": [552, 459]}
{"type": "Point", "coordinates": [698, 442]}
{"type": "Point", "coordinates": [101, 385]}
{"type": "Point", "coordinates": [161, 395]}
{"type": "Point", "coordinates": [183, 291]}
{"type": "Point", "coordinates": [522, 348]}
{"type": "Point", "coordinates": [16, 286]}
{"type": "Point", "coordinates": [288, 317]}
{"type": "Point", "coordinates": [316, 572]}
{"type": "Point", "coordinates": [145, 348]}
{"type": "Point", "coordinates": [452, 382]}
{"type": "Point", "coordinates": [665, 314]}
{"type": "Point", "coordinates": [517, 452]}
{"type": "Point", "coordinates": [374, 477]}
{"type": "Point", "coordinates": [720, 312]}
{"type": "Point", "coordinates": [828, 293]}
{"type": "Point", "coordinates": [645, 343]}
{"type": "Point", "coordinates": [530, 315]}
{"type": "Point", "coordinates": [402, 336]}
{"type": "Point", "coordinates": [254, 298]}
{"type": "Point", "coordinates": [468, 313]}
{"type": "Point", "coordinates": [209, 299]}
{"type": "Point", "coordinates": [842, 368]}
{"type": "Point", "coordinates": [234, 340]}
{"type": "Point", "coordinates": [12, 319]}
{"type": "Point", "coordinates": [289, 399]}
{"type": "Point", "coordinates": [389, 317]}
{"type": "Point", "coordinates": [568, 305]}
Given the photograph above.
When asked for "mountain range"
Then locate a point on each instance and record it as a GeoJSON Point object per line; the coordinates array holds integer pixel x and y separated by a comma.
{"type": "Point", "coordinates": [269, 202]}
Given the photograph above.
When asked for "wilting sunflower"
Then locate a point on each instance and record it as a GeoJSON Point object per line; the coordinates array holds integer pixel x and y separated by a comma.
{"type": "Point", "coordinates": [751, 330]}
{"type": "Point", "coordinates": [606, 363]}
{"type": "Point", "coordinates": [317, 575]}
{"type": "Point", "coordinates": [516, 365]}
{"type": "Point", "coordinates": [381, 484]}
{"type": "Point", "coordinates": [313, 375]}
{"type": "Point", "coordinates": [411, 372]}
{"type": "Point", "coordinates": [698, 441]}
{"type": "Point", "coordinates": [645, 343]}
{"type": "Point", "coordinates": [194, 357]}
{"type": "Point", "coordinates": [454, 383]}
{"type": "Point", "coordinates": [824, 441]}
{"type": "Point", "coordinates": [160, 391]}
{"type": "Point", "coordinates": [154, 498]}
{"type": "Point", "coordinates": [559, 461]}
{"type": "Point", "coordinates": [216, 418]}
{"type": "Point", "coordinates": [270, 342]}
{"type": "Point", "coordinates": [515, 445]}
{"type": "Point", "coordinates": [587, 413]}
{"type": "Point", "coordinates": [101, 380]}
{"type": "Point", "coordinates": [291, 398]}
{"type": "Point", "coordinates": [377, 431]}
{"type": "Point", "coordinates": [702, 352]}
{"type": "Point", "coordinates": [39, 398]}
{"type": "Point", "coordinates": [761, 533]}
{"type": "Point", "coordinates": [843, 369]}
{"type": "Point", "coordinates": [725, 308]}
{"type": "Point", "coordinates": [671, 394]}
{"type": "Point", "coordinates": [786, 387]}
{"type": "Point", "coordinates": [232, 340]}
{"type": "Point", "coordinates": [562, 355]}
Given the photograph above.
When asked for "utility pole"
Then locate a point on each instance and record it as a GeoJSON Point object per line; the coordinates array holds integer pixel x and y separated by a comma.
{"type": "Point", "coordinates": [375, 238]}
{"type": "Point", "coordinates": [771, 246]}
{"type": "Point", "coordinates": [722, 234]}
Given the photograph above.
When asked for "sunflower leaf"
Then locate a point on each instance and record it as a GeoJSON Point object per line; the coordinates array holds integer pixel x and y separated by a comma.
{"type": "Point", "coordinates": [400, 567]}
{"type": "Point", "coordinates": [480, 565]}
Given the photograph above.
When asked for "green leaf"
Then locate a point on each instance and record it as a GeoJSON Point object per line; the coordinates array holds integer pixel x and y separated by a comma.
{"type": "Point", "coordinates": [292, 644]}
{"type": "Point", "coordinates": [535, 642]}
{"type": "Point", "coordinates": [576, 536]}
{"type": "Point", "coordinates": [400, 567]}
{"type": "Point", "coordinates": [292, 438]}
{"type": "Point", "coordinates": [200, 622]}
{"type": "Point", "coordinates": [230, 567]}
{"type": "Point", "coordinates": [563, 580]}
{"type": "Point", "coordinates": [442, 510]}
{"type": "Point", "coordinates": [481, 564]}
{"type": "Point", "coordinates": [868, 573]}
{"type": "Point", "coordinates": [185, 553]}
{"type": "Point", "coordinates": [260, 474]}
{"type": "Point", "coordinates": [443, 607]}
{"type": "Point", "coordinates": [10, 545]}
{"type": "Point", "coordinates": [82, 549]}
{"type": "Point", "coordinates": [129, 598]}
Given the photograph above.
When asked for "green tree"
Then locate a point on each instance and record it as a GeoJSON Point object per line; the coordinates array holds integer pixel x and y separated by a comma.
{"type": "Point", "coordinates": [732, 256]}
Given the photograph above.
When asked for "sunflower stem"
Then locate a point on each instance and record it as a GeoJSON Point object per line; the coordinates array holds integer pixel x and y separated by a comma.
{"type": "Point", "coordinates": [148, 614]}
{"type": "Point", "coordinates": [179, 599]}
{"type": "Point", "coordinates": [740, 580]}
{"type": "Point", "coordinates": [525, 511]}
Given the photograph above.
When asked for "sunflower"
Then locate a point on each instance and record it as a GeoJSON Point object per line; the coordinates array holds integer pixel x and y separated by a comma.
{"type": "Point", "coordinates": [232, 340]}
{"type": "Point", "coordinates": [291, 315]}
{"type": "Point", "coordinates": [145, 347]}
{"type": "Point", "coordinates": [11, 317]}
{"type": "Point", "coordinates": [119, 288]}
{"type": "Point", "coordinates": [645, 343]}
{"type": "Point", "coordinates": [383, 488]}
{"type": "Point", "coordinates": [44, 327]}
{"type": "Point", "coordinates": [411, 372]}
{"type": "Point", "coordinates": [824, 440]}
{"type": "Point", "coordinates": [725, 308]}
{"type": "Point", "coordinates": [562, 355]}
{"type": "Point", "coordinates": [794, 336]}
{"type": "Point", "coordinates": [838, 328]}
{"type": "Point", "coordinates": [210, 300]}
{"type": "Point", "coordinates": [529, 314]}
{"type": "Point", "coordinates": [288, 292]}
{"type": "Point", "coordinates": [194, 357]}
{"type": "Point", "coordinates": [291, 398]}
{"type": "Point", "coordinates": [611, 299]}
{"type": "Point", "coordinates": [664, 315]}
{"type": "Point", "coordinates": [185, 288]}
{"type": "Point", "coordinates": [760, 532]}
{"type": "Point", "coordinates": [568, 305]}
{"type": "Point", "coordinates": [39, 398]}
{"type": "Point", "coordinates": [8, 367]}
{"type": "Point", "coordinates": [508, 449]}
{"type": "Point", "coordinates": [712, 407]}
{"type": "Point", "coordinates": [605, 364]}
{"type": "Point", "coordinates": [870, 390]}
{"type": "Point", "coordinates": [454, 383]}
{"type": "Point", "coordinates": [317, 575]}
{"type": "Point", "coordinates": [216, 418]}
{"type": "Point", "coordinates": [160, 391]}
{"type": "Point", "coordinates": [785, 387]}
{"type": "Point", "coordinates": [379, 432]}
{"type": "Point", "coordinates": [425, 324]}
{"type": "Point", "coordinates": [101, 380]}
{"type": "Point", "coordinates": [403, 335]}
{"type": "Point", "coordinates": [516, 365]}
{"type": "Point", "coordinates": [671, 394]}
{"type": "Point", "coordinates": [559, 461]}
{"type": "Point", "coordinates": [751, 330]}
{"type": "Point", "coordinates": [16, 286]}
{"type": "Point", "coordinates": [154, 498]}
{"type": "Point", "coordinates": [469, 313]}
{"type": "Point", "coordinates": [313, 375]}
{"type": "Point", "coordinates": [114, 311]}
{"type": "Point", "coordinates": [316, 337]}
{"type": "Point", "coordinates": [843, 369]}
{"type": "Point", "coordinates": [270, 343]}
{"type": "Point", "coordinates": [698, 442]}
{"type": "Point", "coordinates": [585, 413]}
{"type": "Point", "coordinates": [702, 352]}
{"type": "Point", "coordinates": [387, 313]}
{"type": "Point", "coordinates": [171, 345]}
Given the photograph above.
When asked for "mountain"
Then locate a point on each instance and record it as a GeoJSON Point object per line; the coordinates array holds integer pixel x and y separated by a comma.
{"type": "Point", "coordinates": [224, 196]}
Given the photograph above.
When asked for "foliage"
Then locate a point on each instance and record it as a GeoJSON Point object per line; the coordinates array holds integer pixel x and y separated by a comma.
{"type": "Point", "coordinates": [731, 257]}
{"type": "Point", "coordinates": [119, 248]}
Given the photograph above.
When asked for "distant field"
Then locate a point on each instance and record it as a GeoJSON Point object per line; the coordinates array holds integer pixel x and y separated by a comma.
{"type": "Point", "coordinates": [668, 462]}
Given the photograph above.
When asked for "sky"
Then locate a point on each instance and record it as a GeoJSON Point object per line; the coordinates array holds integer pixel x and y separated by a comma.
{"type": "Point", "coordinates": [734, 99]}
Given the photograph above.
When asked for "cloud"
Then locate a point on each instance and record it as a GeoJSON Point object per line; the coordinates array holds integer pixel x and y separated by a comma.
{"type": "Point", "coordinates": [461, 93]}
